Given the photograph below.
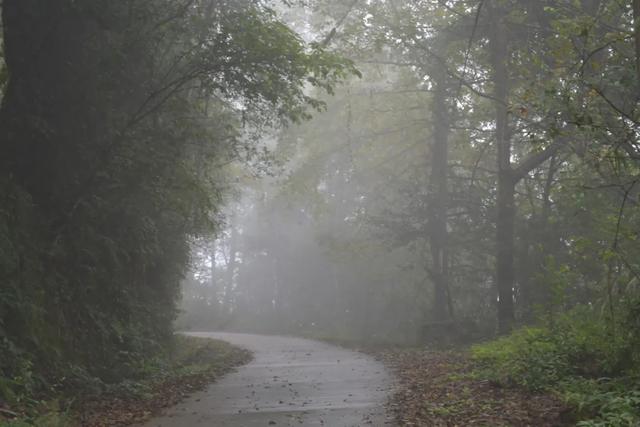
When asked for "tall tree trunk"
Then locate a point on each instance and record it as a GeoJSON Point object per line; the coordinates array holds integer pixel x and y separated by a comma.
{"type": "Point", "coordinates": [438, 234]}
{"type": "Point", "coordinates": [636, 33]}
{"type": "Point", "coordinates": [505, 273]}
{"type": "Point", "coordinates": [508, 174]}
{"type": "Point", "coordinates": [505, 209]}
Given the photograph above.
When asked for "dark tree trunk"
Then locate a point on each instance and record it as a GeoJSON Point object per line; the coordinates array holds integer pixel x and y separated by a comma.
{"type": "Point", "coordinates": [438, 234]}
{"type": "Point", "coordinates": [508, 174]}
{"type": "Point", "coordinates": [505, 273]}
{"type": "Point", "coordinates": [505, 209]}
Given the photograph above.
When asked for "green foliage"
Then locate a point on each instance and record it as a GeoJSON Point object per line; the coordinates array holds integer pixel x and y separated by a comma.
{"type": "Point", "coordinates": [604, 402]}
{"type": "Point", "coordinates": [590, 361]}
{"type": "Point", "coordinates": [112, 137]}
{"type": "Point", "coordinates": [529, 357]}
{"type": "Point", "coordinates": [185, 358]}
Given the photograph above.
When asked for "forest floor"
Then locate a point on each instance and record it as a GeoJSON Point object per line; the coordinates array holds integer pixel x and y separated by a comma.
{"type": "Point", "coordinates": [192, 366]}
{"type": "Point", "coordinates": [439, 388]}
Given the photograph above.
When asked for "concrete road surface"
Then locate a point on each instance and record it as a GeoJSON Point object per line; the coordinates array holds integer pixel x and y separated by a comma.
{"type": "Point", "coordinates": [290, 382]}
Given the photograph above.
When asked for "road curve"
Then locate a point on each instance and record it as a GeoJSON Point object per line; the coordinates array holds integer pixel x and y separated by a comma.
{"type": "Point", "coordinates": [290, 382]}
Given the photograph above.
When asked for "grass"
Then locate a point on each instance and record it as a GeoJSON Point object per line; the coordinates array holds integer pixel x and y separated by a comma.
{"type": "Point", "coordinates": [190, 365]}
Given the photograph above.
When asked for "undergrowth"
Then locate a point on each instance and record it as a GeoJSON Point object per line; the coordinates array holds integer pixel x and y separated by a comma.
{"type": "Point", "coordinates": [188, 360]}
{"type": "Point", "coordinates": [590, 360]}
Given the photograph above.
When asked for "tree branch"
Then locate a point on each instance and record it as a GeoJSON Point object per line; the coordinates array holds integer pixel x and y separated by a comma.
{"type": "Point", "coordinates": [325, 42]}
{"type": "Point", "coordinates": [536, 159]}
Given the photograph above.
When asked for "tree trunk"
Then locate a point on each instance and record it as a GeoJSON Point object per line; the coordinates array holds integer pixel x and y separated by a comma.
{"type": "Point", "coordinates": [213, 282]}
{"type": "Point", "coordinates": [231, 269]}
{"type": "Point", "coordinates": [438, 234]}
{"type": "Point", "coordinates": [538, 239]}
{"type": "Point", "coordinates": [505, 273]}
{"type": "Point", "coordinates": [636, 33]}
{"type": "Point", "coordinates": [508, 174]}
{"type": "Point", "coordinates": [505, 209]}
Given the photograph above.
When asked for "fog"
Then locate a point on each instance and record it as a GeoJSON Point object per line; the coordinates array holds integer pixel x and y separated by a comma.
{"type": "Point", "coordinates": [431, 200]}
{"type": "Point", "coordinates": [405, 176]}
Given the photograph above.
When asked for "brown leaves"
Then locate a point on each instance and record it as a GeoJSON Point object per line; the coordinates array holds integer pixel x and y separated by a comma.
{"type": "Point", "coordinates": [119, 412]}
{"type": "Point", "coordinates": [438, 389]}
{"type": "Point", "coordinates": [219, 358]}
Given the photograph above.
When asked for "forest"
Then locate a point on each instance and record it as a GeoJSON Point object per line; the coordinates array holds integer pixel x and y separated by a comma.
{"type": "Point", "coordinates": [461, 176]}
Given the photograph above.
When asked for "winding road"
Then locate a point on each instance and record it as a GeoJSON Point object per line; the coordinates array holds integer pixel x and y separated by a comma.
{"type": "Point", "coordinates": [290, 382]}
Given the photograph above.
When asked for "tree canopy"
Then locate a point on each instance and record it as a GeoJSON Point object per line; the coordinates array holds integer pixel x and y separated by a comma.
{"type": "Point", "coordinates": [116, 120]}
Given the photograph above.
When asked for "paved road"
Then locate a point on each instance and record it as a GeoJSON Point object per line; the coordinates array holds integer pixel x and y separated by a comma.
{"type": "Point", "coordinates": [290, 382]}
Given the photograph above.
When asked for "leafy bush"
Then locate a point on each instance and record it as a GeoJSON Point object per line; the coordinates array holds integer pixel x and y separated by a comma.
{"type": "Point", "coordinates": [529, 357]}
{"type": "Point", "coordinates": [600, 403]}
{"type": "Point", "coordinates": [579, 343]}
{"type": "Point", "coordinates": [582, 355]}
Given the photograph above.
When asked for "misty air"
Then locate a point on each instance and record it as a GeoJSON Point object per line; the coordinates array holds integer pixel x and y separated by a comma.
{"type": "Point", "coordinates": [336, 213]}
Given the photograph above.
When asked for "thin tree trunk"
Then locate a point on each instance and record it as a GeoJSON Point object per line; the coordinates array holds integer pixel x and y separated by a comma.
{"type": "Point", "coordinates": [537, 234]}
{"type": "Point", "coordinates": [213, 272]}
{"type": "Point", "coordinates": [231, 269]}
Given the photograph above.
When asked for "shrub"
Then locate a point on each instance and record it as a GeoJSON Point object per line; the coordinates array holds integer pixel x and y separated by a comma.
{"type": "Point", "coordinates": [585, 357]}
{"type": "Point", "coordinates": [604, 402]}
{"type": "Point", "coordinates": [579, 343]}
{"type": "Point", "coordinates": [530, 357]}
